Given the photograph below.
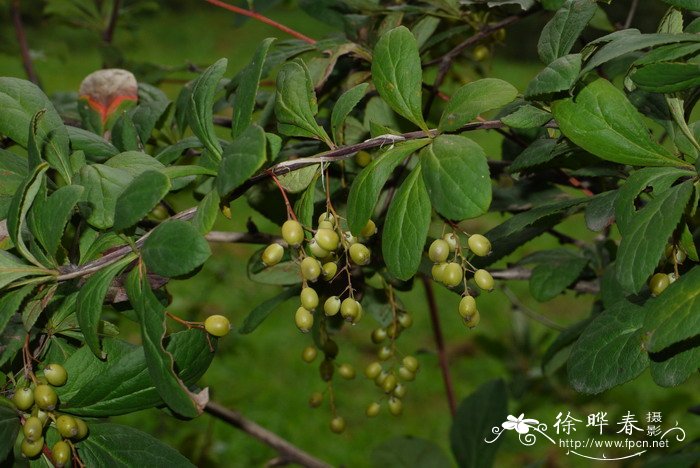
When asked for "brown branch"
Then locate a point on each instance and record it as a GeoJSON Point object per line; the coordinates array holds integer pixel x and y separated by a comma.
{"type": "Point", "coordinates": [262, 19]}
{"type": "Point", "coordinates": [108, 33]}
{"type": "Point", "coordinates": [288, 452]}
{"type": "Point", "coordinates": [242, 237]}
{"type": "Point", "coordinates": [522, 273]}
{"type": "Point", "coordinates": [23, 44]}
{"type": "Point", "coordinates": [440, 344]}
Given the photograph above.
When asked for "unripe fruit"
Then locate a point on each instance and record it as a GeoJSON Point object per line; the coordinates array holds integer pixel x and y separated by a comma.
{"type": "Point", "coordinates": [393, 330]}
{"type": "Point", "coordinates": [42, 415]}
{"type": "Point", "coordinates": [483, 279]}
{"type": "Point", "coordinates": [310, 269]}
{"type": "Point", "coordinates": [32, 429]}
{"type": "Point", "coordinates": [500, 35]}
{"type": "Point", "coordinates": [217, 325]}
{"type": "Point", "coordinates": [406, 374]}
{"type": "Point", "coordinates": [328, 239]}
{"type": "Point", "coordinates": [349, 308]}
{"type": "Point", "coordinates": [309, 298]}
{"type": "Point", "coordinates": [658, 283]}
{"type": "Point", "coordinates": [378, 335]}
{"type": "Point", "coordinates": [359, 254]}
{"type": "Point", "coordinates": [316, 250]}
{"type": "Point", "coordinates": [439, 251]}
{"type": "Point", "coordinates": [384, 353]}
{"type": "Point", "coordinates": [438, 272]}
{"type": "Point", "coordinates": [369, 230]}
{"type": "Point", "coordinates": [481, 53]}
{"type": "Point", "coordinates": [467, 306]}
{"type": "Point", "coordinates": [373, 370]}
{"type": "Point", "coordinates": [363, 158]}
{"type": "Point", "coordinates": [452, 240]}
{"type": "Point", "coordinates": [304, 319]}
{"type": "Point", "coordinates": [360, 313]}
{"type": "Point", "coordinates": [453, 275]}
{"type": "Point", "coordinates": [395, 406]}
{"type": "Point", "coordinates": [410, 363]}
{"type": "Point", "coordinates": [337, 425]}
{"type": "Point", "coordinates": [479, 244]}
{"type": "Point", "coordinates": [326, 370]}
{"type": "Point", "coordinates": [61, 453]}
{"type": "Point", "coordinates": [66, 426]}
{"type": "Point", "coordinates": [330, 349]}
{"type": "Point", "coordinates": [292, 232]}
{"type": "Point", "coordinates": [400, 391]}
{"type": "Point", "coordinates": [45, 397]}
{"type": "Point", "coordinates": [316, 399]}
{"type": "Point", "coordinates": [405, 320]}
{"type": "Point", "coordinates": [23, 398]}
{"type": "Point", "coordinates": [32, 449]}
{"type": "Point", "coordinates": [309, 354]}
{"type": "Point", "coordinates": [331, 306]}
{"type": "Point", "coordinates": [328, 217]}
{"type": "Point", "coordinates": [328, 270]}
{"type": "Point", "coordinates": [472, 320]}
{"type": "Point", "coordinates": [346, 371]}
{"type": "Point", "coordinates": [82, 429]}
{"type": "Point", "coordinates": [373, 409]}
{"type": "Point", "coordinates": [389, 383]}
{"type": "Point", "coordinates": [55, 374]}
{"type": "Point", "coordinates": [325, 225]}
{"type": "Point", "coordinates": [272, 254]}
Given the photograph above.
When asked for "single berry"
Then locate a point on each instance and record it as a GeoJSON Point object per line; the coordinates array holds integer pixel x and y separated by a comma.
{"type": "Point", "coordinates": [438, 272]}
{"type": "Point", "coordinates": [399, 391]}
{"type": "Point", "coordinates": [363, 158]}
{"type": "Point", "coordinates": [217, 325]}
{"type": "Point", "coordinates": [379, 380]}
{"type": "Point", "coordinates": [61, 453]}
{"type": "Point", "coordinates": [378, 335]}
{"type": "Point", "coordinates": [337, 424]}
{"type": "Point", "coordinates": [658, 283]}
{"type": "Point", "coordinates": [452, 240]}
{"type": "Point", "coordinates": [45, 397]}
{"type": "Point", "coordinates": [467, 306]}
{"type": "Point", "coordinates": [67, 426]}
{"type": "Point", "coordinates": [32, 449]}
{"type": "Point", "coordinates": [439, 251]}
{"type": "Point", "coordinates": [483, 279]}
{"type": "Point", "coordinates": [479, 244]}
{"type": "Point", "coordinates": [359, 254]}
{"type": "Point", "coordinates": [481, 53]}
{"type": "Point", "coordinates": [369, 230]}
{"type": "Point", "coordinates": [472, 320]}
{"type": "Point", "coordinates": [453, 275]}
{"type": "Point", "coordinates": [328, 239]}
{"type": "Point", "coordinates": [23, 398]}
{"type": "Point", "coordinates": [325, 225]}
{"type": "Point", "coordinates": [315, 399]}
{"type": "Point", "coordinates": [310, 268]}
{"type": "Point", "coordinates": [393, 330]}
{"type": "Point", "coordinates": [272, 254]}
{"type": "Point", "coordinates": [331, 306]}
{"type": "Point", "coordinates": [82, 429]}
{"type": "Point", "coordinates": [406, 374]}
{"type": "Point", "coordinates": [292, 232]}
{"type": "Point", "coordinates": [373, 370]}
{"type": "Point", "coordinates": [373, 409]}
{"type": "Point", "coordinates": [500, 35]}
{"type": "Point", "coordinates": [304, 319]}
{"type": "Point", "coordinates": [395, 406]}
{"type": "Point", "coordinates": [328, 270]}
{"type": "Point", "coordinates": [32, 429]}
{"type": "Point", "coordinates": [330, 348]}
{"type": "Point", "coordinates": [328, 217]}
{"type": "Point", "coordinates": [405, 320]}
{"type": "Point", "coordinates": [309, 298]}
{"type": "Point", "coordinates": [384, 353]}
{"type": "Point", "coordinates": [389, 384]}
{"type": "Point", "coordinates": [309, 354]}
{"type": "Point", "coordinates": [346, 371]}
{"type": "Point", "coordinates": [55, 374]}
{"type": "Point", "coordinates": [410, 363]}
{"type": "Point", "coordinates": [349, 308]}
{"type": "Point", "coordinates": [326, 370]}
{"type": "Point", "coordinates": [316, 250]}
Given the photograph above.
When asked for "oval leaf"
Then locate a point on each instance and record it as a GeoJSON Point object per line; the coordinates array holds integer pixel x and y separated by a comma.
{"type": "Point", "coordinates": [473, 99]}
{"type": "Point", "coordinates": [200, 109]}
{"type": "Point", "coordinates": [175, 248]}
{"type": "Point", "coordinates": [139, 198]}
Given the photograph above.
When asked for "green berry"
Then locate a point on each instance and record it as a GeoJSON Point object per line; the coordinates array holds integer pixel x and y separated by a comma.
{"type": "Point", "coordinates": [42, 415]}
{"type": "Point", "coordinates": [325, 225]}
{"type": "Point", "coordinates": [405, 320]}
{"type": "Point", "coordinates": [32, 449]}
{"type": "Point", "coordinates": [399, 391]}
{"type": "Point", "coordinates": [309, 298]}
{"type": "Point", "coordinates": [337, 424]}
{"type": "Point", "coordinates": [439, 251]}
{"type": "Point", "coordinates": [326, 370]}
{"type": "Point", "coordinates": [61, 453]}
{"type": "Point", "coordinates": [304, 319]}
{"type": "Point", "coordinates": [331, 306]}
{"type": "Point", "coordinates": [23, 398]}
{"type": "Point", "coordinates": [32, 429]}
{"type": "Point", "coordinates": [453, 275]}
{"type": "Point", "coordinates": [315, 399]}
{"type": "Point", "coordinates": [67, 426]}
{"type": "Point", "coordinates": [55, 374]}
{"type": "Point", "coordinates": [658, 283]}
{"type": "Point", "coordinates": [373, 370]}
{"type": "Point", "coordinates": [395, 406]}
{"type": "Point", "coordinates": [472, 320]}
{"type": "Point", "coordinates": [349, 308]}
{"type": "Point", "coordinates": [452, 241]}
{"type": "Point", "coordinates": [217, 325]}
{"type": "Point", "coordinates": [309, 354]}
{"type": "Point", "coordinates": [384, 353]}
{"type": "Point", "coordinates": [327, 217]}
{"type": "Point", "coordinates": [379, 380]}
{"type": "Point", "coordinates": [359, 254]}
{"type": "Point", "coordinates": [483, 279]}
{"type": "Point", "coordinates": [393, 330]}
{"type": "Point", "coordinates": [410, 363]}
{"type": "Point", "coordinates": [346, 371]}
{"type": "Point", "coordinates": [330, 349]}
{"type": "Point", "coordinates": [316, 250]}
{"type": "Point", "coordinates": [329, 270]}
{"type": "Point", "coordinates": [369, 230]}
{"type": "Point", "coordinates": [45, 397]}
{"type": "Point", "coordinates": [467, 306]}
{"type": "Point", "coordinates": [272, 254]}
{"type": "Point", "coordinates": [479, 244]}
{"type": "Point", "coordinates": [438, 272]}
{"type": "Point", "coordinates": [481, 53]}
{"type": "Point", "coordinates": [378, 335]}
{"type": "Point", "coordinates": [406, 374]}
{"type": "Point", "coordinates": [373, 409]}
{"type": "Point", "coordinates": [292, 232]}
{"type": "Point", "coordinates": [310, 269]}
{"type": "Point", "coordinates": [82, 429]}
{"type": "Point", "coordinates": [327, 239]}
{"type": "Point", "coordinates": [389, 384]}
{"type": "Point", "coordinates": [363, 158]}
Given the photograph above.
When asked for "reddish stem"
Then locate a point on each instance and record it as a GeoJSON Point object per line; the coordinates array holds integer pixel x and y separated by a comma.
{"type": "Point", "coordinates": [262, 19]}
{"type": "Point", "coordinates": [23, 44]}
{"type": "Point", "coordinates": [290, 211]}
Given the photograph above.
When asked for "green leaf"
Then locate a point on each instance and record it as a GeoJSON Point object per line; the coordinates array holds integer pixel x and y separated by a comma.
{"type": "Point", "coordinates": [200, 111]}
{"type": "Point", "coordinates": [610, 350]}
{"type": "Point", "coordinates": [675, 370]}
{"type": "Point", "coordinates": [560, 33]}
{"type": "Point", "coordinates": [123, 446]}
{"type": "Point", "coordinates": [207, 211]}
{"type": "Point", "coordinates": [125, 136]}
{"type": "Point", "coordinates": [527, 117]}
{"type": "Point", "coordinates": [12, 268]}
{"type": "Point", "coordinates": [692, 5]}
{"type": "Point", "coordinates": [152, 105]}
{"type": "Point", "coordinates": [90, 299]}
{"type": "Point", "coordinates": [560, 75]}
{"type": "Point", "coordinates": [11, 301]}
{"type": "Point", "coordinates": [473, 99]}
{"type": "Point", "coordinates": [672, 316]}
{"type": "Point", "coordinates": [342, 108]}
{"type": "Point", "coordinates": [175, 248]}
{"type": "Point", "coordinates": [553, 275]}
{"type": "Point", "coordinates": [20, 100]}
{"type": "Point", "coordinates": [50, 217]}
{"type": "Point", "coordinates": [456, 175]}
{"type": "Point", "coordinates": [19, 207]}
{"type": "Point", "coordinates": [103, 185]}
{"type": "Point", "coordinates": [602, 121]}
{"type": "Point", "coordinates": [644, 243]}
{"type": "Point", "coordinates": [173, 152]}
{"type": "Point", "coordinates": [244, 99]}
{"type": "Point", "coordinates": [539, 152]}
{"type": "Point", "coordinates": [139, 198]}
{"type": "Point", "coordinates": [160, 362]}
{"type": "Point", "coordinates": [297, 181]}
{"type": "Point", "coordinates": [262, 311]}
{"type": "Point", "coordinates": [304, 207]}
{"type": "Point", "coordinates": [600, 213]}
{"type": "Point", "coordinates": [406, 228]}
{"type": "Point", "coordinates": [134, 162]}
{"type": "Point", "coordinates": [667, 77]}
{"type": "Point", "coordinates": [408, 451]}
{"type": "Point", "coordinates": [476, 415]}
{"type": "Point", "coordinates": [9, 427]}
{"type": "Point", "coordinates": [13, 170]}
{"type": "Point", "coordinates": [397, 74]}
{"type": "Point", "coordinates": [241, 159]}
{"type": "Point", "coordinates": [296, 106]}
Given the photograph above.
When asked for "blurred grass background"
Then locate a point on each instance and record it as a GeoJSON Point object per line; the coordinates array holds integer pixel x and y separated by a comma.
{"type": "Point", "coordinates": [262, 375]}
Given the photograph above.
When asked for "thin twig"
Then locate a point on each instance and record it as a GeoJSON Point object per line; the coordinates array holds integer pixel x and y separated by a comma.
{"type": "Point", "coordinates": [289, 452]}
{"type": "Point", "coordinates": [522, 273]}
{"type": "Point", "coordinates": [108, 33]}
{"type": "Point", "coordinates": [630, 14]}
{"type": "Point", "coordinates": [262, 19]}
{"type": "Point", "coordinates": [23, 45]}
{"type": "Point", "coordinates": [440, 344]}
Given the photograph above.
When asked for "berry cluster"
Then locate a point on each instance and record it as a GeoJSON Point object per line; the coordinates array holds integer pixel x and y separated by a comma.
{"type": "Point", "coordinates": [38, 403]}
{"type": "Point", "coordinates": [674, 256]}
